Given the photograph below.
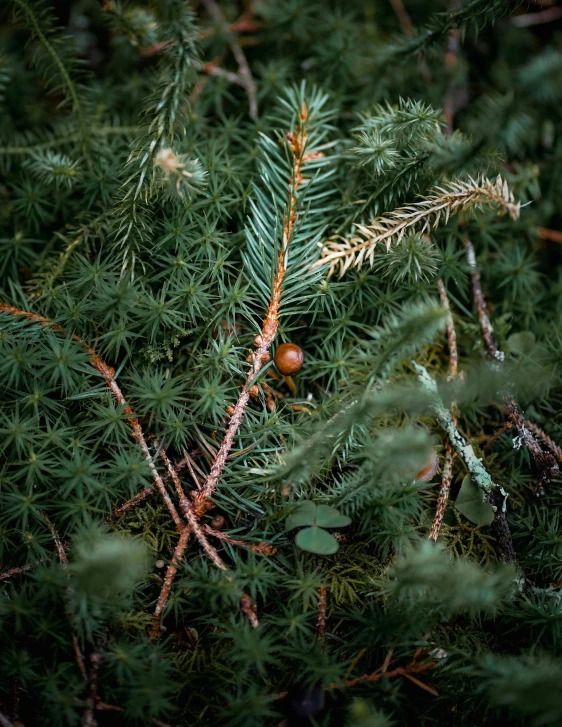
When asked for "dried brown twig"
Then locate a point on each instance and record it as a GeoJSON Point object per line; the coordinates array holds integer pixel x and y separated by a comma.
{"type": "Point", "coordinates": [244, 76]}
{"type": "Point", "coordinates": [297, 142]}
{"type": "Point", "coordinates": [545, 464]}
{"type": "Point", "coordinates": [321, 619]}
{"type": "Point", "coordinates": [342, 254]}
{"type": "Point", "coordinates": [447, 474]}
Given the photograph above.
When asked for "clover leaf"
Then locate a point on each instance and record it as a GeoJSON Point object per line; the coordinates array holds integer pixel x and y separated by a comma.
{"type": "Point", "coordinates": [314, 538]}
{"type": "Point", "coordinates": [470, 503]}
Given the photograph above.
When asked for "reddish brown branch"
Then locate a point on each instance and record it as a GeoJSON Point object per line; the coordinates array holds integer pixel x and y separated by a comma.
{"type": "Point", "coordinates": [245, 74]}
{"type": "Point", "coordinates": [551, 235]}
{"type": "Point", "coordinates": [261, 548]}
{"type": "Point", "coordinates": [15, 571]}
{"type": "Point", "coordinates": [451, 333]}
{"type": "Point", "coordinates": [247, 605]}
{"type": "Point", "coordinates": [142, 495]}
{"type": "Point", "coordinates": [544, 16]}
{"type": "Point", "coordinates": [545, 464]}
{"type": "Point", "coordinates": [447, 475]}
{"type": "Point", "coordinates": [480, 302]}
{"type": "Point", "coordinates": [443, 498]}
{"type": "Point", "coordinates": [103, 707]}
{"type": "Point", "coordinates": [260, 356]}
{"type": "Point", "coordinates": [155, 629]}
{"type": "Point", "coordinates": [403, 17]}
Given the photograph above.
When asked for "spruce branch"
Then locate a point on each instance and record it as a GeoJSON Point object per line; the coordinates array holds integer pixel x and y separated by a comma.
{"type": "Point", "coordinates": [342, 254]}
{"type": "Point", "coordinates": [297, 143]}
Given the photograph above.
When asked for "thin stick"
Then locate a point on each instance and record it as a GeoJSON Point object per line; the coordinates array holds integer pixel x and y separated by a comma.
{"type": "Point", "coordinates": [109, 375]}
{"type": "Point", "coordinates": [142, 495]}
{"type": "Point", "coordinates": [544, 16]}
{"type": "Point", "coordinates": [403, 17]}
{"type": "Point", "coordinates": [4, 721]}
{"type": "Point", "coordinates": [15, 571]}
{"type": "Point", "coordinates": [544, 462]}
{"type": "Point", "coordinates": [263, 342]}
{"type": "Point", "coordinates": [58, 542]}
{"type": "Point", "coordinates": [155, 629]}
{"type": "Point", "coordinates": [261, 548]}
{"type": "Point", "coordinates": [189, 512]}
{"type": "Point", "coordinates": [552, 235]}
{"type": "Point", "coordinates": [447, 475]}
{"type": "Point", "coordinates": [480, 301]}
{"type": "Point", "coordinates": [243, 67]}
{"type": "Point", "coordinates": [550, 443]}
{"type": "Point", "coordinates": [443, 498]}
{"type": "Point", "coordinates": [451, 333]}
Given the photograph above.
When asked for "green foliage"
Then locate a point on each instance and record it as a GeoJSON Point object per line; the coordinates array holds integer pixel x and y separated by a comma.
{"type": "Point", "coordinates": [149, 218]}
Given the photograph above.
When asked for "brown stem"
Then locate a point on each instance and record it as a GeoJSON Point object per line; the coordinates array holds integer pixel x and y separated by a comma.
{"type": "Point", "coordinates": [247, 605]}
{"type": "Point", "coordinates": [261, 548]}
{"type": "Point", "coordinates": [451, 333]}
{"type": "Point", "coordinates": [443, 498]}
{"type": "Point", "coordinates": [189, 512]}
{"type": "Point", "coordinates": [480, 302]}
{"type": "Point", "coordinates": [447, 475]}
{"type": "Point", "coordinates": [403, 17]}
{"type": "Point", "coordinates": [544, 16]}
{"type": "Point", "coordinates": [263, 342]}
{"type": "Point", "coordinates": [4, 721]}
{"type": "Point", "coordinates": [15, 571]}
{"type": "Point", "coordinates": [551, 235]}
{"type": "Point", "coordinates": [141, 496]}
{"type": "Point", "coordinates": [155, 629]}
{"type": "Point", "coordinates": [244, 69]}
{"type": "Point", "coordinates": [550, 443]}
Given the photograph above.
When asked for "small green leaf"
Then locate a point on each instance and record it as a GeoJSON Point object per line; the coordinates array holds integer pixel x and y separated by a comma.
{"type": "Point", "coordinates": [470, 503]}
{"type": "Point", "coordinates": [316, 540]}
{"type": "Point", "coordinates": [305, 514]}
{"type": "Point", "coordinates": [329, 517]}
{"type": "Point", "coordinates": [523, 342]}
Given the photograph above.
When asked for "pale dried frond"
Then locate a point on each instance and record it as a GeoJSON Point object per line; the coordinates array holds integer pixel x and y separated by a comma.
{"type": "Point", "coordinates": [342, 254]}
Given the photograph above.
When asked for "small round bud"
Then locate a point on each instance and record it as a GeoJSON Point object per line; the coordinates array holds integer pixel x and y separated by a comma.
{"type": "Point", "coordinates": [217, 522]}
{"type": "Point", "coordinates": [160, 564]}
{"type": "Point", "coordinates": [288, 358]}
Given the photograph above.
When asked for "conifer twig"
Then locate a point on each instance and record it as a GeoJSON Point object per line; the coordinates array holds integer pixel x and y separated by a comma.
{"type": "Point", "coordinates": [155, 628]}
{"type": "Point", "coordinates": [552, 235]}
{"type": "Point", "coordinates": [15, 571]}
{"type": "Point", "coordinates": [260, 356]}
{"type": "Point", "coordinates": [247, 605]}
{"type": "Point", "coordinates": [261, 548]}
{"type": "Point", "coordinates": [342, 254]}
{"type": "Point", "coordinates": [189, 513]}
